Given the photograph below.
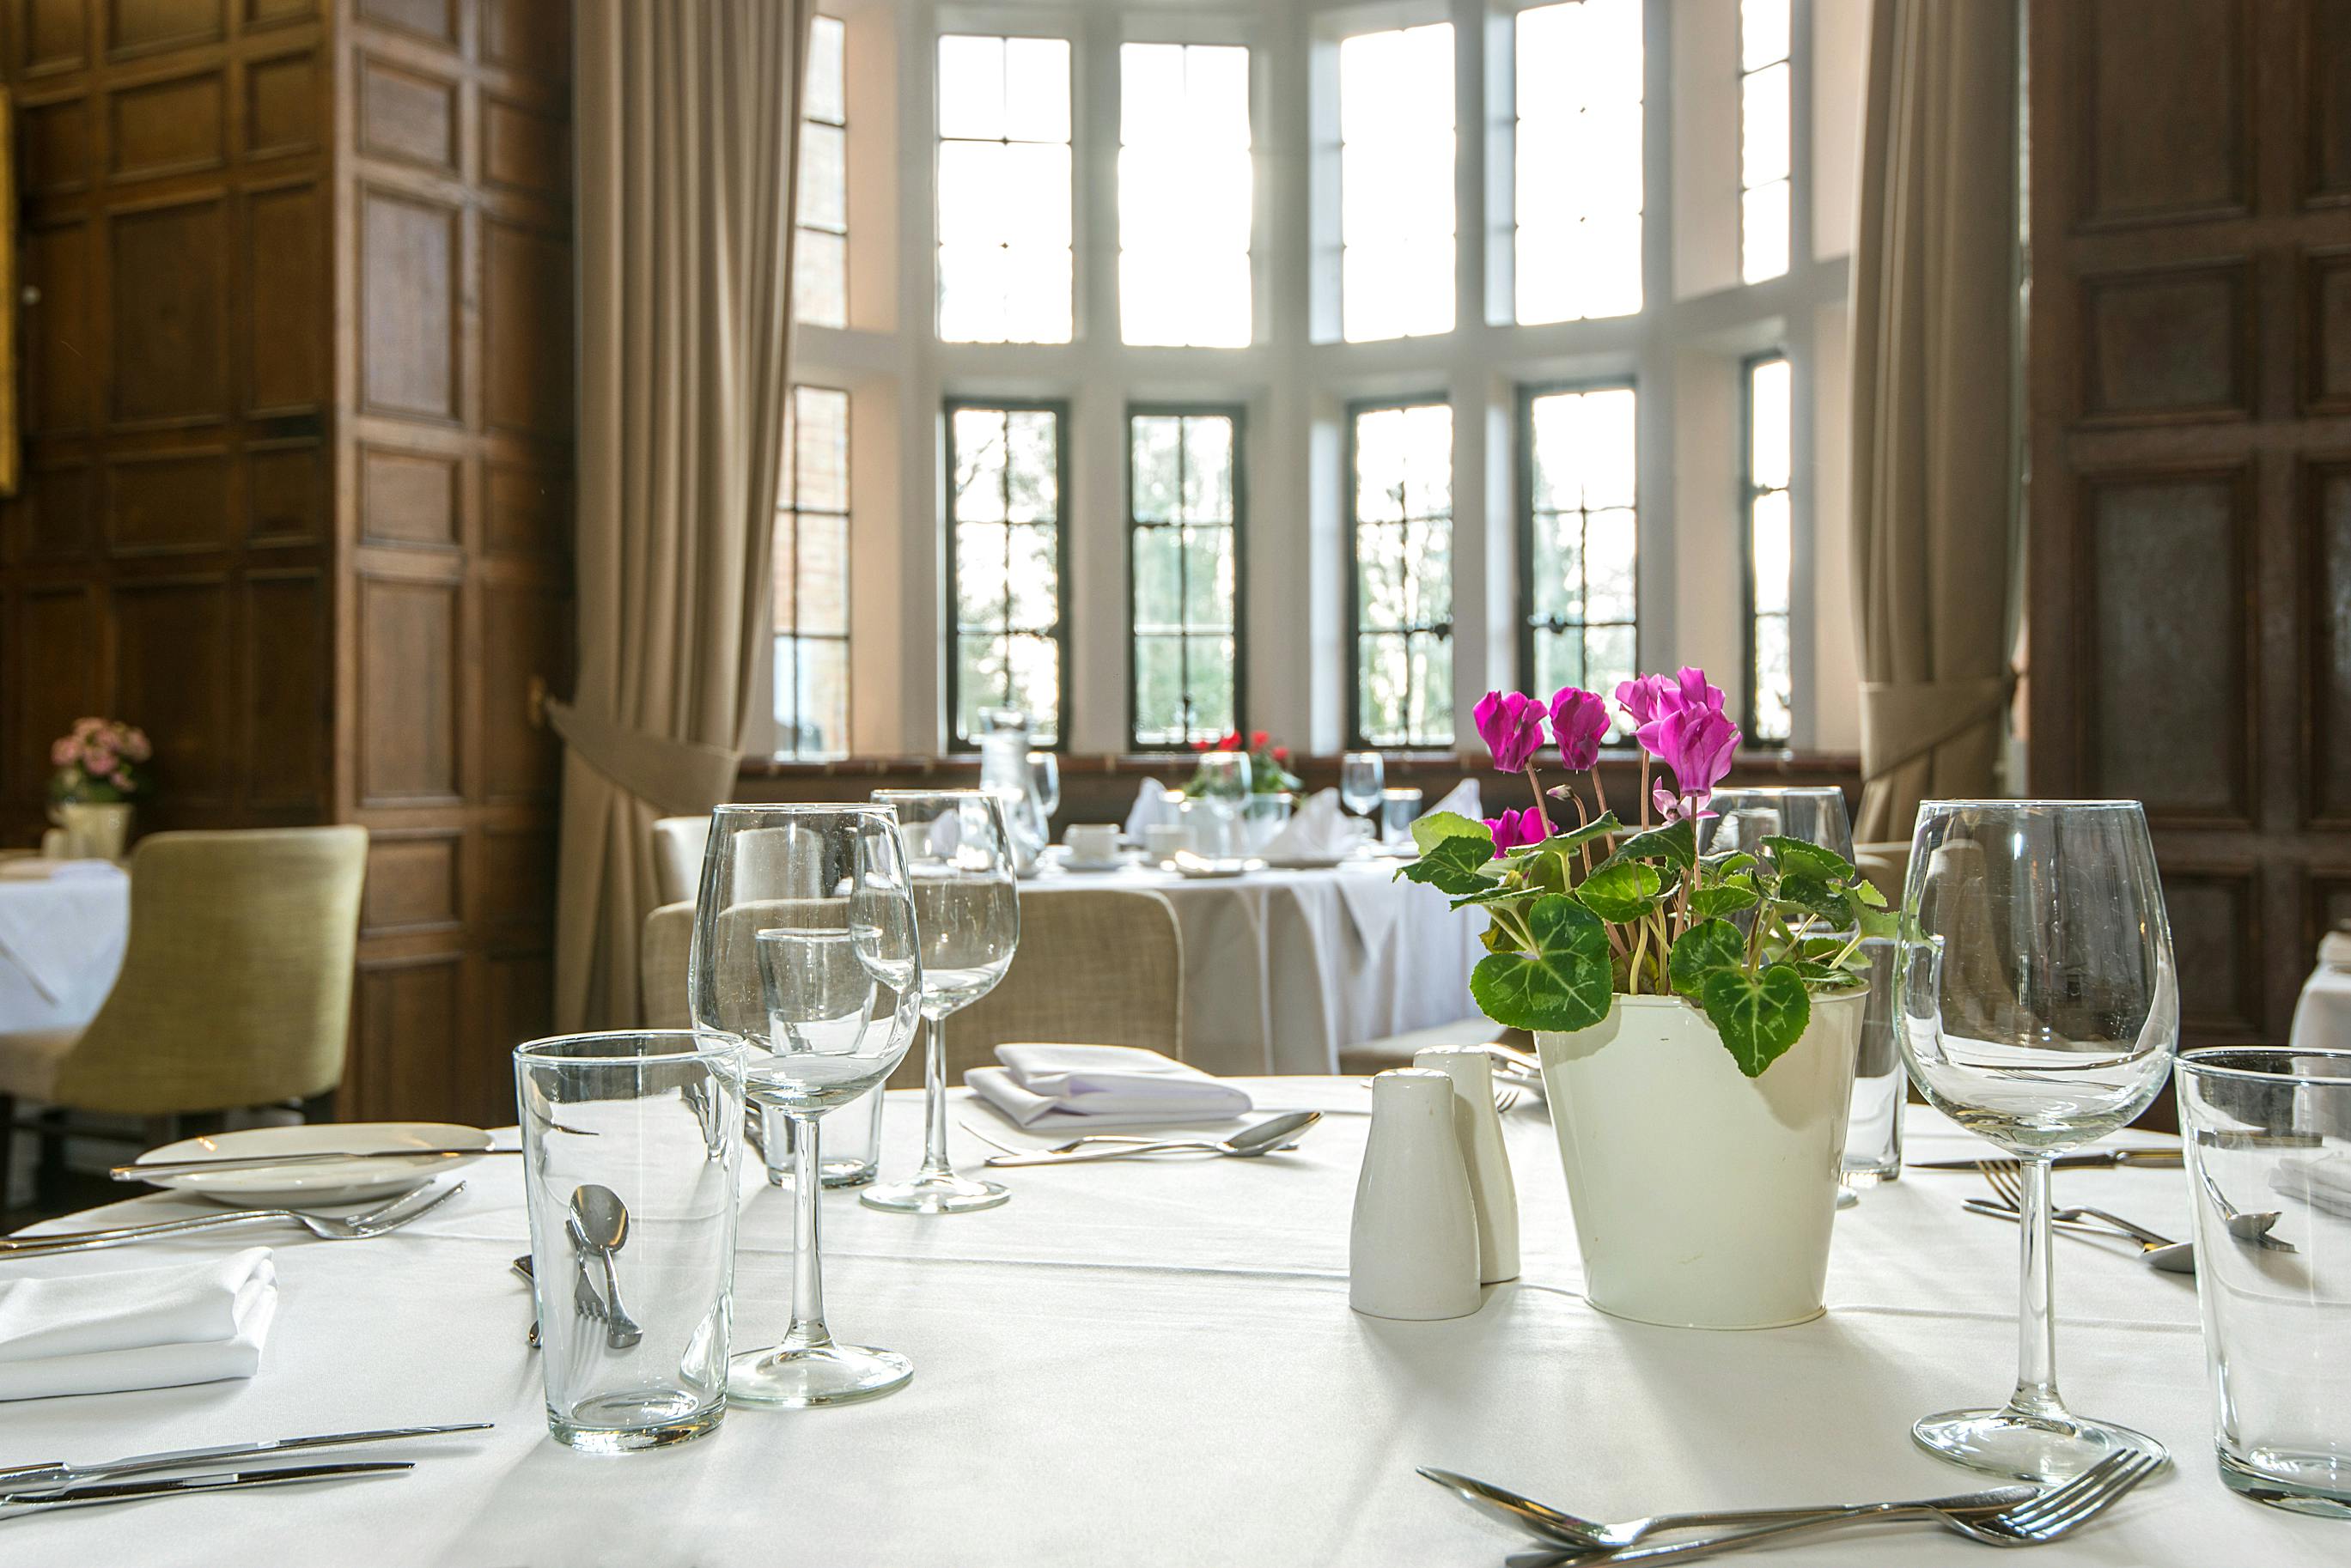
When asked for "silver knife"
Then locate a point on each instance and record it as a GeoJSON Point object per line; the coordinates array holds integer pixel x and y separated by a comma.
{"type": "Point", "coordinates": [22, 1505]}
{"type": "Point", "coordinates": [2102, 1158]}
{"type": "Point", "coordinates": [58, 1474]}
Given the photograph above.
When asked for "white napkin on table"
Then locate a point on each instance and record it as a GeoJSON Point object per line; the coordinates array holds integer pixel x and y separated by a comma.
{"type": "Point", "coordinates": [1045, 1087]}
{"type": "Point", "coordinates": [1153, 806]}
{"type": "Point", "coordinates": [1462, 798]}
{"type": "Point", "coordinates": [2324, 1182]}
{"type": "Point", "coordinates": [155, 1328]}
{"type": "Point", "coordinates": [1318, 830]}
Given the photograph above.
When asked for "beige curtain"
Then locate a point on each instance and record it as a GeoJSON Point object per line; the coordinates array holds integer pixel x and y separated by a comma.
{"type": "Point", "coordinates": [1933, 303]}
{"type": "Point", "coordinates": [689, 117]}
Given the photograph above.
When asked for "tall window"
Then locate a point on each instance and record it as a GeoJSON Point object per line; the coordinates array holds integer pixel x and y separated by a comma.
{"type": "Point", "coordinates": [1395, 182]}
{"type": "Point", "coordinates": [1771, 550]}
{"type": "Point", "coordinates": [811, 563]}
{"type": "Point", "coordinates": [1183, 196]}
{"type": "Point", "coordinates": [1400, 520]}
{"type": "Point", "coordinates": [1765, 90]}
{"type": "Point", "coordinates": [1577, 201]}
{"type": "Point", "coordinates": [1578, 588]}
{"type": "Point", "coordinates": [1184, 512]}
{"type": "Point", "coordinates": [1004, 190]}
{"type": "Point", "coordinates": [820, 270]}
{"type": "Point", "coordinates": [1004, 565]}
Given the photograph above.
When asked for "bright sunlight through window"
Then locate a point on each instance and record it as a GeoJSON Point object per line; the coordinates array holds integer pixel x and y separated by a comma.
{"type": "Point", "coordinates": [1004, 190]}
{"type": "Point", "coordinates": [1395, 180]}
{"type": "Point", "coordinates": [1185, 188]}
{"type": "Point", "coordinates": [1579, 160]}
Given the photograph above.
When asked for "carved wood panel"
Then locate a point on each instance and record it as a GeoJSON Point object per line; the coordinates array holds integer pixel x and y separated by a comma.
{"type": "Point", "coordinates": [2188, 379]}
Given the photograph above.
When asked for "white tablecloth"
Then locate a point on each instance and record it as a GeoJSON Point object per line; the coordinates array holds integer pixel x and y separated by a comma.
{"type": "Point", "coordinates": [1283, 969]}
{"type": "Point", "coordinates": [1154, 1363]}
{"type": "Point", "coordinates": [61, 940]}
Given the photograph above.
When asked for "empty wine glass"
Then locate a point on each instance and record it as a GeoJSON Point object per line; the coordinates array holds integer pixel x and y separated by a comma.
{"type": "Point", "coordinates": [967, 923]}
{"type": "Point", "coordinates": [2040, 1009]}
{"type": "Point", "coordinates": [1221, 784]}
{"type": "Point", "coordinates": [805, 952]}
{"type": "Point", "coordinates": [1362, 776]}
{"type": "Point", "coordinates": [1743, 818]}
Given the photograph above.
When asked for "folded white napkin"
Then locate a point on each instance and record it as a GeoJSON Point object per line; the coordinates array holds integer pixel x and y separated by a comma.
{"type": "Point", "coordinates": [1318, 829]}
{"type": "Point", "coordinates": [1045, 1087]}
{"type": "Point", "coordinates": [136, 1328]}
{"type": "Point", "coordinates": [2322, 1182]}
{"type": "Point", "coordinates": [1463, 800]}
{"type": "Point", "coordinates": [2334, 949]}
{"type": "Point", "coordinates": [1153, 806]}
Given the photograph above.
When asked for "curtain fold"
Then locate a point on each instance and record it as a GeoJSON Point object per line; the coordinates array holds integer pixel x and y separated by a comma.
{"type": "Point", "coordinates": [1933, 314]}
{"type": "Point", "coordinates": [688, 125]}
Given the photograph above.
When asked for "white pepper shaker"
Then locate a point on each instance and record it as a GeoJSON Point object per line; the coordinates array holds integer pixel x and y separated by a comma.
{"type": "Point", "coordinates": [1479, 1125]}
{"type": "Point", "coordinates": [1413, 1249]}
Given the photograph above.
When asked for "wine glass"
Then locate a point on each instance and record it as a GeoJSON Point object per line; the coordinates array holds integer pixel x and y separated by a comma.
{"type": "Point", "coordinates": [1045, 768]}
{"type": "Point", "coordinates": [2040, 1009]}
{"type": "Point", "coordinates": [805, 952]}
{"type": "Point", "coordinates": [1743, 818]}
{"type": "Point", "coordinates": [1362, 776]}
{"type": "Point", "coordinates": [1222, 783]}
{"type": "Point", "coordinates": [967, 923]}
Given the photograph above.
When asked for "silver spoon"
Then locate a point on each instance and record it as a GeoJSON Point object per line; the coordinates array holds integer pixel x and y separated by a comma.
{"type": "Point", "coordinates": [521, 1265]}
{"type": "Point", "coordinates": [2252, 1227]}
{"type": "Point", "coordinates": [599, 1223]}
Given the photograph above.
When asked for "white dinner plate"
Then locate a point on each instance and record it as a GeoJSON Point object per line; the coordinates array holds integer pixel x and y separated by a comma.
{"type": "Point", "coordinates": [1309, 862]}
{"type": "Point", "coordinates": [328, 1182]}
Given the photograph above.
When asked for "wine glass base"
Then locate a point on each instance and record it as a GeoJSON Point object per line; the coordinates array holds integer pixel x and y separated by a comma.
{"type": "Point", "coordinates": [2005, 1442]}
{"type": "Point", "coordinates": [818, 1374]}
{"type": "Point", "coordinates": [937, 1194]}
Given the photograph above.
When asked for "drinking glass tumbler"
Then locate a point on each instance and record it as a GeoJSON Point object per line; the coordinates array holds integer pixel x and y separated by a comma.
{"type": "Point", "coordinates": [853, 1141]}
{"type": "Point", "coordinates": [2268, 1136]}
{"type": "Point", "coordinates": [629, 1146]}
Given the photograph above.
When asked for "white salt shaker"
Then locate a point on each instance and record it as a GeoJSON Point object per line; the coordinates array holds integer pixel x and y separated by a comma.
{"type": "Point", "coordinates": [1413, 1251]}
{"type": "Point", "coordinates": [1479, 1125]}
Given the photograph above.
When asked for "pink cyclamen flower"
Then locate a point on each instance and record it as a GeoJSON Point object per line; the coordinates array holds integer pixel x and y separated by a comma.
{"type": "Point", "coordinates": [1671, 806]}
{"type": "Point", "coordinates": [1579, 719]}
{"type": "Point", "coordinates": [1696, 744]}
{"type": "Point", "coordinates": [1511, 725]}
{"type": "Point", "coordinates": [1515, 829]}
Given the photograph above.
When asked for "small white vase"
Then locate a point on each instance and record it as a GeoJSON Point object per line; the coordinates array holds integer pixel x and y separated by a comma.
{"type": "Point", "coordinates": [1703, 1198]}
{"type": "Point", "coordinates": [1478, 1126]}
{"type": "Point", "coordinates": [1412, 1248]}
{"type": "Point", "coordinates": [96, 830]}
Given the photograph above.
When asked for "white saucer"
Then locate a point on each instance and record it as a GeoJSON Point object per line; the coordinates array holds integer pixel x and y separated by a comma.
{"type": "Point", "coordinates": [328, 1182]}
{"type": "Point", "coordinates": [1309, 862]}
{"type": "Point", "coordinates": [1071, 863]}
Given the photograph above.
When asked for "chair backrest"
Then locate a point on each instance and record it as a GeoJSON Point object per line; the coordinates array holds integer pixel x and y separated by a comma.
{"type": "Point", "coordinates": [236, 987]}
{"type": "Point", "coordinates": [678, 842]}
{"type": "Point", "coordinates": [1096, 966]}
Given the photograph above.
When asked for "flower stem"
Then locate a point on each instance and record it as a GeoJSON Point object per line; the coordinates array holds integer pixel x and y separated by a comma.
{"type": "Point", "coordinates": [1541, 816]}
{"type": "Point", "coordinates": [1645, 790]}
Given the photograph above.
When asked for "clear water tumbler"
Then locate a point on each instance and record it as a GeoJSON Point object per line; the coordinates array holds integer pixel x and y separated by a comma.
{"type": "Point", "coordinates": [2268, 1134]}
{"type": "Point", "coordinates": [630, 1144]}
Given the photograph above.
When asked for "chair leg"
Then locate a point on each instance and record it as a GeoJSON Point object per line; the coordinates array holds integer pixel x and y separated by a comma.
{"type": "Point", "coordinates": [320, 1107]}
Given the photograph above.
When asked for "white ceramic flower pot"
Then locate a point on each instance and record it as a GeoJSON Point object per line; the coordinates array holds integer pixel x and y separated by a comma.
{"type": "Point", "coordinates": [96, 830]}
{"type": "Point", "coordinates": [1703, 1198]}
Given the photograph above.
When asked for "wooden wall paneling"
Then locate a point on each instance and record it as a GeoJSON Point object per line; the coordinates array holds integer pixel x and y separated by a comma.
{"type": "Point", "coordinates": [2188, 376]}
{"type": "Point", "coordinates": [286, 97]}
{"type": "Point", "coordinates": [57, 649]}
{"type": "Point", "coordinates": [414, 880]}
{"type": "Point", "coordinates": [410, 668]}
{"type": "Point", "coordinates": [175, 125]}
{"type": "Point", "coordinates": [149, 26]}
{"type": "Point", "coordinates": [60, 353]}
{"type": "Point", "coordinates": [288, 299]}
{"type": "Point", "coordinates": [410, 293]}
{"type": "Point", "coordinates": [288, 651]}
{"type": "Point", "coordinates": [175, 663]}
{"type": "Point", "coordinates": [168, 290]}
{"type": "Point", "coordinates": [54, 35]}
{"type": "Point", "coordinates": [406, 1024]}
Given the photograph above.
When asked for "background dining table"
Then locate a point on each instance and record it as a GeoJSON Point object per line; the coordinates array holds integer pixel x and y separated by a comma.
{"type": "Point", "coordinates": [63, 927]}
{"type": "Point", "coordinates": [1286, 968]}
{"type": "Point", "coordinates": [1154, 1362]}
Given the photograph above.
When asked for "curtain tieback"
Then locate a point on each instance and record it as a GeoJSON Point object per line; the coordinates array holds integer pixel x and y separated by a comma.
{"type": "Point", "coordinates": [677, 778]}
{"type": "Point", "coordinates": [1902, 722]}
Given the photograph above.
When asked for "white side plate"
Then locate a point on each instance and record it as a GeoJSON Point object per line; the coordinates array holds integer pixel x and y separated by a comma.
{"type": "Point", "coordinates": [328, 1182]}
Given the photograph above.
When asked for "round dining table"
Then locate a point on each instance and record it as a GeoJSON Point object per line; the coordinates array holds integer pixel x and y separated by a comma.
{"type": "Point", "coordinates": [1285, 968]}
{"type": "Point", "coordinates": [63, 928]}
{"type": "Point", "coordinates": [1154, 1362]}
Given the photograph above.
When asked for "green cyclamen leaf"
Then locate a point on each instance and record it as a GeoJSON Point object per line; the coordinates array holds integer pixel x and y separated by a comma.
{"type": "Point", "coordinates": [1707, 903]}
{"type": "Point", "coordinates": [1809, 894]}
{"type": "Point", "coordinates": [1621, 890]}
{"type": "Point", "coordinates": [1866, 891]}
{"type": "Point", "coordinates": [1434, 829]}
{"type": "Point", "coordinates": [1802, 857]}
{"type": "Point", "coordinates": [1705, 947]}
{"type": "Point", "coordinates": [1565, 984]}
{"type": "Point", "coordinates": [1575, 837]}
{"type": "Point", "coordinates": [1880, 924]}
{"type": "Point", "coordinates": [1455, 864]}
{"type": "Point", "coordinates": [1759, 1016]}
{"type": "Point", "coordinates": [1721, 865]}
{"type": "Point", "coordinates": [1677, 844]}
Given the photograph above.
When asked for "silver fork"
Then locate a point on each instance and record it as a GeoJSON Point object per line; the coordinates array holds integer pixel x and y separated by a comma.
{"type": "Point", "coordinates": [1504, 1098]}
{"type": "Point", "coordinates": [2046, 1517]}
{"type": "Point", "coordinates": [2011, 1187]}
{"type": "Point", "coordinates": [377, 1221]}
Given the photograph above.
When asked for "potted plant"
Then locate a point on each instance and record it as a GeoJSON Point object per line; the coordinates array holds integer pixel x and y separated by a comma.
{"type": "Point", "coordinates": [1269, 764]}
{"type": "Point", "coordinates": [99, 774]}
{"type": "Point", "coordinates": [1697, 1015]}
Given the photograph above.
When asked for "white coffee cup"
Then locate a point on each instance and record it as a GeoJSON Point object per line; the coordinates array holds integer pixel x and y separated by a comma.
{"type": "Point", "coordinates": [1092, 842]}
{"type": "Point", "coordinates": [1161, 840]}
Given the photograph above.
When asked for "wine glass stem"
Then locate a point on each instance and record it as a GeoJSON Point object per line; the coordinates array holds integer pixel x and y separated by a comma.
{"type": "Point", "coordinates": [935, 1099]}
{"type": "Point", "coordinates": [807, 1328]}
{"type": "Point", "coordinates": [2036, 1318]}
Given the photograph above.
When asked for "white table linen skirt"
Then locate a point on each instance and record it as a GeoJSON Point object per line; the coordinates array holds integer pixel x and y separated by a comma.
{"type": "Point", "coordinates": [1146, 1362]}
